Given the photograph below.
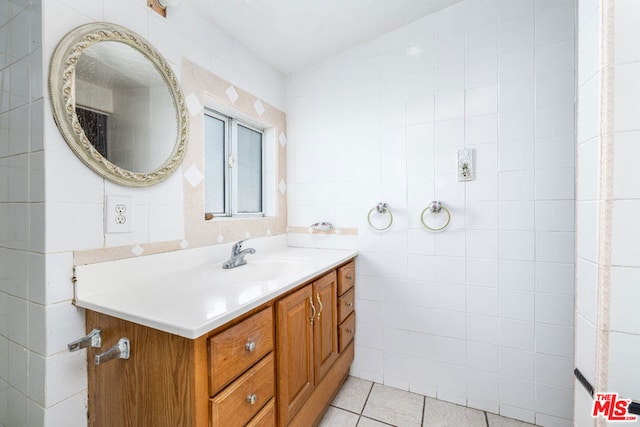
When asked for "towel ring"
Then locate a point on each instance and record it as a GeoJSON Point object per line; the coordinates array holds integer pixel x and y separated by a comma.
{"type": "Point", "coordinates": [381, 208]}
{"type": "Point", "coordinates": [435, 207]}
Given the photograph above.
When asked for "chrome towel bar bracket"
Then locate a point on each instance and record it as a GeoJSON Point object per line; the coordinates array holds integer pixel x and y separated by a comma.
{"type": "Point", "coordinates": [122, 350]}
{"type": "Point", "coordinates": [93, 339]}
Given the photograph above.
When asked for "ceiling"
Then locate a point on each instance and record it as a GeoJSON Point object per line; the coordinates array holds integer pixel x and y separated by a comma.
{"type": "Point", "coordinates": [291, 34]}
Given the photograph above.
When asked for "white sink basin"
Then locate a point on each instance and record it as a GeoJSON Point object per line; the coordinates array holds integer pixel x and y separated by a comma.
{"type": "Point", "coordinates": [188, 293]}
{"type": "Point", "coordinates": [263, 270]}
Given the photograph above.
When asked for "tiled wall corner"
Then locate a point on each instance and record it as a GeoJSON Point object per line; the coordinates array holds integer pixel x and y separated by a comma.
{"type": "Point", "coordinates": [623, 331]}
{"type": "Point", "coordinates": [606, 258]}
{"type": "Point", "coordinates": [22, 277]}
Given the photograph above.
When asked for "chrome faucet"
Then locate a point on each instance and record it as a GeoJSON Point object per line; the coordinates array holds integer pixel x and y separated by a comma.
{"type": "Point", "coordinates": [237, 255]}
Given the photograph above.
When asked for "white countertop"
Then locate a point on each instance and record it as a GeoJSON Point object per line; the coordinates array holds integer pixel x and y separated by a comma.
{"type": "Point", "coordinates": [187, 293]}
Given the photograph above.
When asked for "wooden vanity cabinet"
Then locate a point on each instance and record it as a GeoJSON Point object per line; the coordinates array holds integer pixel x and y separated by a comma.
{"type": "Point", "coordinates": [307, 342]}
{"type": "Point", "coordinates": [314, 352]}
{"type": "Point", "coordinates": [236, 349]}
{"type": "Point", "coordinates": [325, 334]}
{"type": "Point", "coordinates": [346, 305]}
{"type": "Point", "coordinates": [280, 364]}
{"type": "Point", "coordinates": [242, 353]}
{"type": "Point", "coordinates": [294, 347]}
{"type": "Point", "coordinates": [164, 383]}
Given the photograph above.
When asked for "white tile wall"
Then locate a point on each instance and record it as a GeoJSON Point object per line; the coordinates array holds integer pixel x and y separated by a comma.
{"type": "Point", "coordinates": [623, 344]}
{"type": "Point", "coordinates": [624, 350]}
{"type": "Point", "coordinates": [21, 174]}
{"type": "Point", "coordinates": [496, 76]}
{"type": "Point", "coordinates": [583, 406]}
{"type": "Point", "coordinates": [48, 212]}
{"type": "Point", "coordinates": [622, 347]}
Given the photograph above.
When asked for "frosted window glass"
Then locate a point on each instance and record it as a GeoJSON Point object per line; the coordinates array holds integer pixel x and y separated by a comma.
{"type": "Point", "coordinates": [214, 165]}
{"type": "Point", "coordinates": [249, 158]}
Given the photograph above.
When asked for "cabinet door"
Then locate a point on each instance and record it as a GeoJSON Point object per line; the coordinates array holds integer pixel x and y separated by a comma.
{"type": "Point", "coordinates": [294, 346]}
{"type": "Point", "coordinates": [325, 334]}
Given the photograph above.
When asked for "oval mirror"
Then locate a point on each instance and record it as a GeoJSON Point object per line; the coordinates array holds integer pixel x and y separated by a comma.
{"type": "Point", "coordinates": [118, 104]}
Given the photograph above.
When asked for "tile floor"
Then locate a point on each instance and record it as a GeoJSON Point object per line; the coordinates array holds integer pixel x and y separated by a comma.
{"type": "Point", "coordinates": [365, 404]}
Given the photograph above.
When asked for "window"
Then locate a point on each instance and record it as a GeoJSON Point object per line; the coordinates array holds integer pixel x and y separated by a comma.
{"type": "Point", "coordinates": [234, 157]}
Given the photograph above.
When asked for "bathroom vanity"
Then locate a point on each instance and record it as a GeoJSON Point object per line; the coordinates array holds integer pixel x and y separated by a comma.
{"type": "Point", "coordinates": [260, 346]}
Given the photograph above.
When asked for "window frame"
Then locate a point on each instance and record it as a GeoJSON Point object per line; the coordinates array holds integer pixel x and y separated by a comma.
{"type": "Point", "coordinates": [231, 172]}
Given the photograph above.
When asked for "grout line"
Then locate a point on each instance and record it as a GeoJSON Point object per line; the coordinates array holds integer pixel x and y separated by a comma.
{"type": "Point", "coordinates": [345, 410]}
{"type": "Point", "coordinates": [367, 399]}
{"type": "Point", "coordinates": [486, 418]}
{"type": "Point", "coordinates": [378, 421]}
{"type": "Point", "coordinates": [424, 408]}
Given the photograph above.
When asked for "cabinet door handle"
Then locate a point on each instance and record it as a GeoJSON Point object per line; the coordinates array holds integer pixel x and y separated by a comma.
{"type": "Point", "coordinates": [313, 309]}
{"type": "Point", "coordinates": [349, 277]}
{"type": "Point", "coordinates": [250, 346]}
{"type": "Point", "coordinates": [349, 303]}
{"type": "Point", "coordinates": [350, 330]}
{"type": "Point", "coordinates": [319, 303]}
{"type": "Point", "coordinates": [252, 399]}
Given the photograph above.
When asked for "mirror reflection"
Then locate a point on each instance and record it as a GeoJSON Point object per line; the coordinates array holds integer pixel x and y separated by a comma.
{"type": "Point", "coordinates": [125, 106]}
{"type": "Point", "coordinates": [118, 104]}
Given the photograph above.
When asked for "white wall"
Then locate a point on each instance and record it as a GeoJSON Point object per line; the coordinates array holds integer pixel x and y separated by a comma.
{"type": "Point", "coordinates": [608, 200]}
{"type": "Point", "coordinates": [40, 382]}
{"type": "Point", "coordinates": [158, 211]}
{"type": "Point", "coordinates": [482, 313]}
{"type": "Point", "coordinates": [624, 337]}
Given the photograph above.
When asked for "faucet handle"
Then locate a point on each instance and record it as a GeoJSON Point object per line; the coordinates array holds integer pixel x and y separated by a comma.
{"type": "Point", "coordinates": [237, 247]}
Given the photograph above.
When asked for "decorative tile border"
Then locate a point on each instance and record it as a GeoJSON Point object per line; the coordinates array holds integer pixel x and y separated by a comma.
{"type": "Point", "coordinates": [348, 231]}
{"type": "Point", "coordinates": [121, 252]}
{"type": "Point", "coordinates": [199, 83]}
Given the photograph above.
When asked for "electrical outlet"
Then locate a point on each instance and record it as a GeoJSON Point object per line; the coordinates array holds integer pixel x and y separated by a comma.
{"type": "Point", "coordinates": [118, 214]}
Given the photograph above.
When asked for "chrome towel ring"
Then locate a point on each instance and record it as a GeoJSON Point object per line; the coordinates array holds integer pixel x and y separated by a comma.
{"type": "Point", "coordinates": [381, 208]}
{"type": "Point", "coordinates": [435, 207]}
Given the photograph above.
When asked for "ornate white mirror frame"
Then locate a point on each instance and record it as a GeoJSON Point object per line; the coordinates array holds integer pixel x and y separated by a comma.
{"type": "Point", "coordinates": [62, 86]}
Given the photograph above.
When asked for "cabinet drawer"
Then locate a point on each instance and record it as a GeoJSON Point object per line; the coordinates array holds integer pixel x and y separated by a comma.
{"type": "Point", "coordinates": [266, 417]}
{"type": "Point", "coordinates": [346, 304]}
{"type": "Point", "coordinates": [346, 277]}
{"type": "Point", "coordinates": [233, 351]}
{"type": "Point", "coordinates": [346, 332]}
{"type": "Point", "coordinates": [244, 398]}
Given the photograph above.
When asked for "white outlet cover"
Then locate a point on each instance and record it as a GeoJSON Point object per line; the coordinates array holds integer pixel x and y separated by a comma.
{"type": "Point", "coordinates": [118, 214]}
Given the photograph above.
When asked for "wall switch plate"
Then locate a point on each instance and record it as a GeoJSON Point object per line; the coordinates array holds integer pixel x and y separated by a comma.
{"type": "Point", "coordinates": [118, 215]}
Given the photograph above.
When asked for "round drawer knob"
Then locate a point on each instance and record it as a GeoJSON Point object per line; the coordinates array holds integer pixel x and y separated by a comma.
{"type": "Point", "coordinates": [252, 399]}
{"type": "Point", "coordinates": [350, 331]}
{"type": "Point", "coordinates": [250, 346]}
{"type": "Point", "coordinates": [349, 277]}
{"type": "Point", "coordinates": [349, 304]}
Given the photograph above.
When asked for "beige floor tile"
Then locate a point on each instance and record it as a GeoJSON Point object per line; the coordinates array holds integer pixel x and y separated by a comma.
{"type": "Point", "coordinates": [438, 413]}
{"type": "Point", "coordinates": [368, 422]}
{"type": "Point", "coordinates": [353, 395]}
{"type": "Point", "coordinates": [499, 421]}
{"type": "Point", "coordinates": [335, 417]}
{"type": "Point", "coordinates": [393, 406]}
